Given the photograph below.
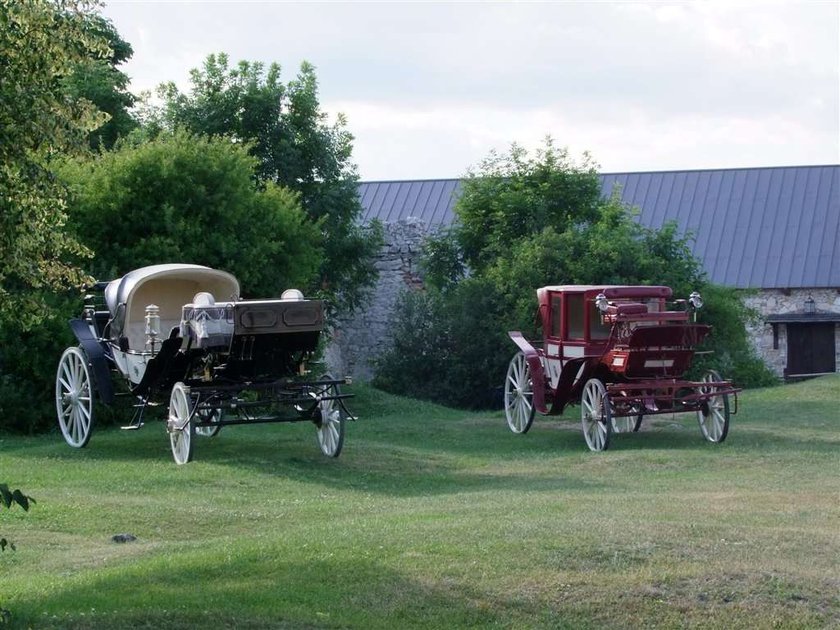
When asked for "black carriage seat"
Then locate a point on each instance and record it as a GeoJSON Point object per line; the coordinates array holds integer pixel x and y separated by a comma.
{"type": "Point", "coordinates": [270, 337]}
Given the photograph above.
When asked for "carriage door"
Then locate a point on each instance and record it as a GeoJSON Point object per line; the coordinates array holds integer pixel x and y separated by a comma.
{"type": "Point", "coordinates": [553, 332]}
{"type": "Point", "coordinates": [810, 349]}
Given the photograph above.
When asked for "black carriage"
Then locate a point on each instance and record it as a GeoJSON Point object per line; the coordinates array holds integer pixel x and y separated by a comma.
{"type": "Point", "coordinates": [180, 334]}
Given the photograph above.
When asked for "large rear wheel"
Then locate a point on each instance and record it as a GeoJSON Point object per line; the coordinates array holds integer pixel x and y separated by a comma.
{"type": "Point", "coordinates": [595, 414]}
{"type": "Point", "coordinates": [519, 395]}
{"type": "Point", "coordinates": [180, 425]}
{"type": "Point", "coordinates": [713, 414]}
{"type": "Point", "coordinates": [74, 397]}
{"type": "Point", "coordinates": [330, 420]}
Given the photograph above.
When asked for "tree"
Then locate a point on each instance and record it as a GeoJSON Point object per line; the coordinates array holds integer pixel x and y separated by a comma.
{"type": "Point", "coordinates": [189, 199]}
{"type": "Point", "coordinates": [98, 80]}
{"type": "Point", "coordinates": [40, 45]}
{"type": "Point", "coordinates": [526, 222]}
{"type": "Point", "coordinates": [285, 129]}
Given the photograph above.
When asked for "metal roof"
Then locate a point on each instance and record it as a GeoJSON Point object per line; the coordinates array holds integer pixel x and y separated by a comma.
{"type": "Point", "coordinates": [774, 227]}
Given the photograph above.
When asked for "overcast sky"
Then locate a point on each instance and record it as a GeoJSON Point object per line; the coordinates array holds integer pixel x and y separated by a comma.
{"type": "Point", "coordinates": [430, 88]}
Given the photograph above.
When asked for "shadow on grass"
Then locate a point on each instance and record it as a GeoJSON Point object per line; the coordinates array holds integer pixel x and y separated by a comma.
{"type": "Point", "coordinates": [261, 589]}
{"type": "Point", "coordinates": [395, 468]}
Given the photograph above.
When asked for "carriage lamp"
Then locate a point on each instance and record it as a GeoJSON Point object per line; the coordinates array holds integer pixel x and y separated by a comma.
{"type": "Point", "coordinates": [602, 302]}
{"type": "Point", "coordinates": [695, 300]}
{"type": "Point", "coordinates": [152, 326]}
{"type": "Point", "coordinates": [810, 306]}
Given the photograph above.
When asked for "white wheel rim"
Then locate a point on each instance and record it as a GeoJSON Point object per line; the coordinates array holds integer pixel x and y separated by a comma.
{"type": "Point", "coordinates": [73, 397]}
{"type": "Point", "coordinates": [331, 427]}
{"type": "Point", "coordinates": [592, 415]}
{"type": "Point", "coordinates": [519, 395]}
{"type": "Point", "coordinates": [179, 416]}
{"type": "Point", "coordinates": [713, 423]}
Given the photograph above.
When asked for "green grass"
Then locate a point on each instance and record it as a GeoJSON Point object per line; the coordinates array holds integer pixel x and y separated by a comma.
{"type": "Point", "coordinates": [436, 518]}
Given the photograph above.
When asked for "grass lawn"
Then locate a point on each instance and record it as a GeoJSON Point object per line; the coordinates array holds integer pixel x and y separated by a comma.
{"type": "Point", "coordinates": [436, 518]}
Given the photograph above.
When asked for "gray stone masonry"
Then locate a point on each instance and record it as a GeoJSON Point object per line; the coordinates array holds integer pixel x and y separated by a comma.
{"type": "Point", "coordinates": [776, 302]}
{"type": "Point", "coordinates": [357, 341]}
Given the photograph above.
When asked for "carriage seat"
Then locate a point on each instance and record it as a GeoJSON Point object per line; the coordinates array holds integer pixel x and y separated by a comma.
{"type": "Point", "coordinates": [206, 323]}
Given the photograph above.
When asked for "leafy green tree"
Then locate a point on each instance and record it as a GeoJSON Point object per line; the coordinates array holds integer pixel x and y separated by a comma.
{"type": "Point", "coordinates": [285, 129]}
{"type": "Point", "coordinates": [41, 43]}
{"type": "Point", "coordinates": [526, 222]}
{"type": "Point", "coordinates": [182, 198]}
{"type": "Point", "coordinates": [98, 80]}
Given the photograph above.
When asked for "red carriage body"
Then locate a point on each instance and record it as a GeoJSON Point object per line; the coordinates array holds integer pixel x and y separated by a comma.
{"type": "Point", "coordinates": [620, 351]}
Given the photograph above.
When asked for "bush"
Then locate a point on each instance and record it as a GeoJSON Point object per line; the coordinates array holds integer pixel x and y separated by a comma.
{"type": "Point", "coordinates": [446, 348]}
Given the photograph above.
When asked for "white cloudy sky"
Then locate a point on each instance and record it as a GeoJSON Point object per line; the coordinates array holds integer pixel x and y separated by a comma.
{"type": "Point", "coordinates": [429, 88]}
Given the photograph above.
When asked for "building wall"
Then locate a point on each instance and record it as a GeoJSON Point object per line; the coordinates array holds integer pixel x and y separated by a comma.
{"type": "Point", "coordinates": [778, 302]}
{"type": "Point", "coordinates": [357, 341]}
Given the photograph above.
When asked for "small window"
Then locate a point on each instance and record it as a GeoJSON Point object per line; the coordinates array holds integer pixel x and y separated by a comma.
{"type": "Point", "coordinates": [556, 310]}
{"type": "Point", "coordinates": [574, 316]}
{"type": "Point", "coordinates": [597, 329]}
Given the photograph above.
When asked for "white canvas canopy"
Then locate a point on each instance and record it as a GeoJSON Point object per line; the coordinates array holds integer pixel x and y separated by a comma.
{"type": "Point", "coordinates": [169, 287]}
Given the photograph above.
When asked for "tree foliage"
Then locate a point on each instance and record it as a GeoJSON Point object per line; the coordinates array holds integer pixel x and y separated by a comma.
{"type": "Point", "coordinates": [182, 198]}
{"type": "Point", "coordinates": [526, 222]}
{"type": "Point", "coordinates": [40, 45]}
{"type": "Point", "coordinates": [285, 129]}
{"type": "Point", "coordinates": [98, 80]}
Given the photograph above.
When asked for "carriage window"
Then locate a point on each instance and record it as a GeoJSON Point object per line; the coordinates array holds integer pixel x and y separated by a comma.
{"type": "Point", "coordinates": [653, 305]}
{"type": "Point", "coordinates": [574, 316]}
{"type": "Point", "coordinates": [556, 304]}
{"type": "Point", "coordinates": [597, 329]}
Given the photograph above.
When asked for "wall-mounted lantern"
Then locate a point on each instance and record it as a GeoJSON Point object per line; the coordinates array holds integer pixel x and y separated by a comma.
{"type": "Point", "coordinates": [810, 306]}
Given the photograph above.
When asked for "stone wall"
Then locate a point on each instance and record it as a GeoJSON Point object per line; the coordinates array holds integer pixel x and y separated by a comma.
{"type": "Point", "coordinates": [358, 340]}
{"type": "Point", "coordinates": [778, 302]}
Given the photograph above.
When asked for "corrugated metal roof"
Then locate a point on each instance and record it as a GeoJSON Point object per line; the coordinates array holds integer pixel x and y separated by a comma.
{"type": "Point", "coordinates": [775, 227]}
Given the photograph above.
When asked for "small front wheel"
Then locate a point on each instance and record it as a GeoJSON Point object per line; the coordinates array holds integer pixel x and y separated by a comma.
{"type": "Point", "coordinates": [629, 423]}
{"type": "Point", "coordinates": [213, 416]}
{"type": "Point", "coordinates": [595, 415]}
{"type": "Point", "coordinates": [713, 414]}
{"type": "Point", "coordinates": [519, 395]}
{"type": "Point", "coordinates": [180, 424]}
{"type": "Point", "coordinates": [330, 420]}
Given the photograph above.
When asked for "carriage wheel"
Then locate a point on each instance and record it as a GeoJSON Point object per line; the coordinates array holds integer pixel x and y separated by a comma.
{"type": "Point", "coordinates": [713, 414]}
{"type": "Point", "coordinates": [180, 425]}
{"type": "Point", "coordinates": [519, 395]}
{"type": "Point", "coordinates": [629, 423]}
{"type": "Point", "coordinates": [209, 415]}
{"type": "Point", "coordinates": [74, 397]}
{"type": "Point", "coordinates": [330, 420]}
{"type": "Point", "coordinates": [595, 415]}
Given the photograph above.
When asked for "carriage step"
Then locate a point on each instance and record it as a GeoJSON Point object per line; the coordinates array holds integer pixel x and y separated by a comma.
{"type": "Point", "coordinates": [132, 427]}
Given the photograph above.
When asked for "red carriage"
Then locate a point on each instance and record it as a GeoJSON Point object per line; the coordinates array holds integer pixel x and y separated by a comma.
{"type": "Point", "coordinates": [622, 353]}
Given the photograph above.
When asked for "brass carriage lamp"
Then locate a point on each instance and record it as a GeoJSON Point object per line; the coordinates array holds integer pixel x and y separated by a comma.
{"type": "Point", "coordinates": [152, 326]}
